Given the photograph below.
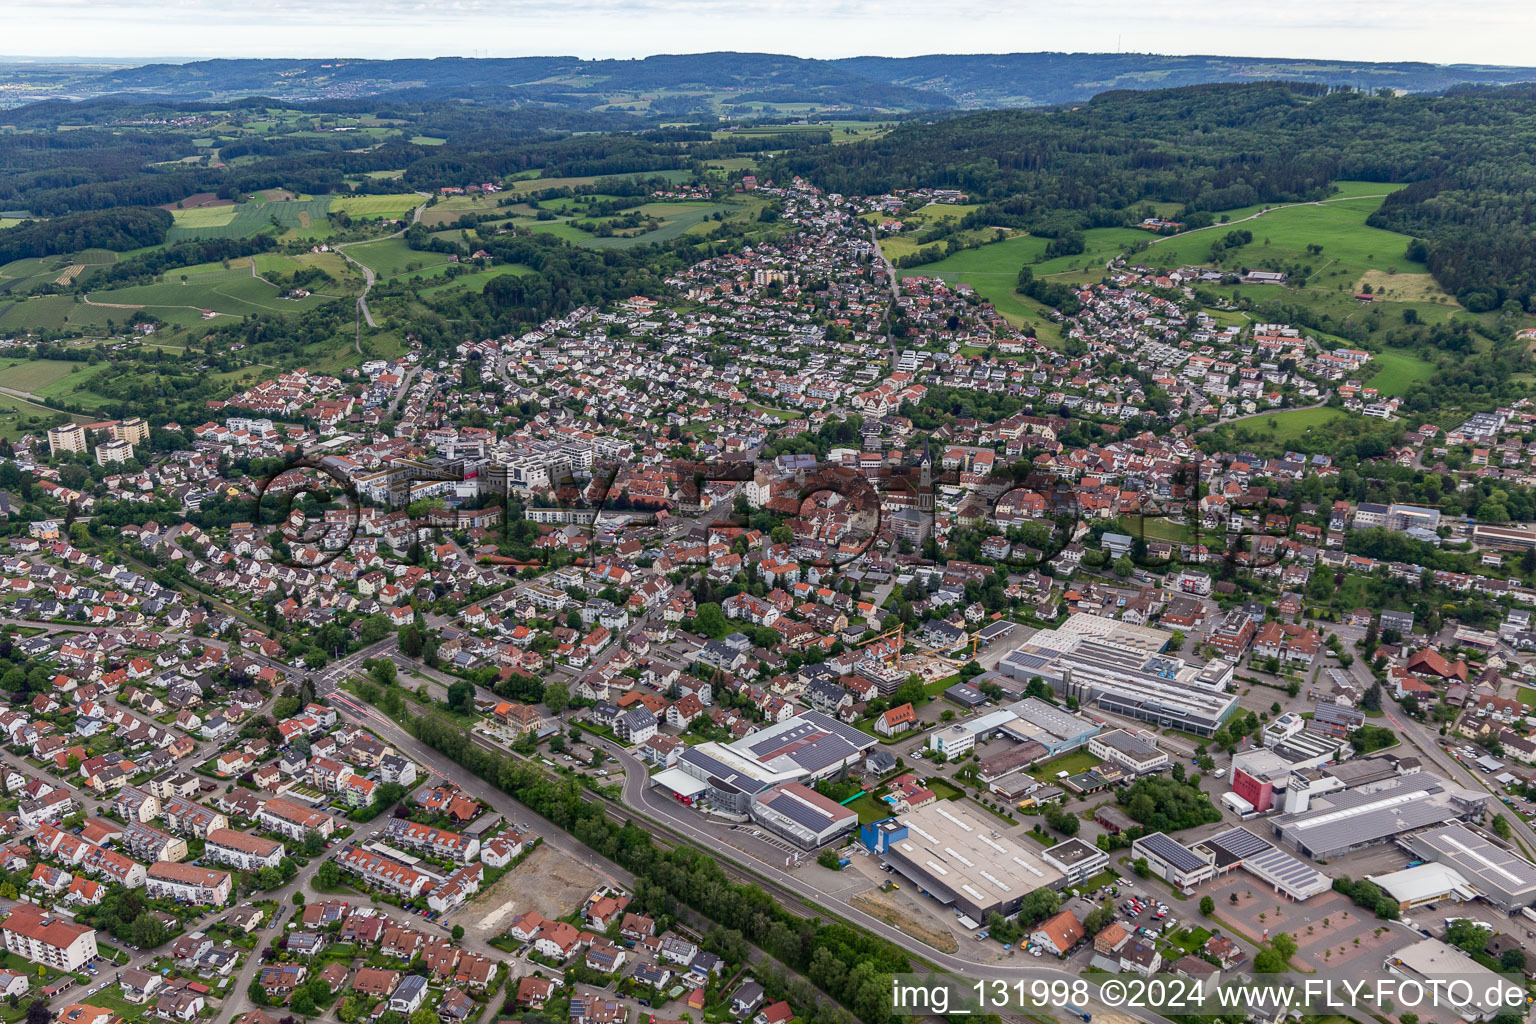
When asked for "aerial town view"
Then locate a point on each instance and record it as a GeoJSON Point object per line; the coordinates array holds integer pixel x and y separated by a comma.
{"type": "Point", "coordinates": [736, 538]}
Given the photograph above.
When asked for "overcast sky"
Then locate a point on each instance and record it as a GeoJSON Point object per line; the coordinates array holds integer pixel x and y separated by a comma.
{"type": "Point", "coordinates": [1485, 32]}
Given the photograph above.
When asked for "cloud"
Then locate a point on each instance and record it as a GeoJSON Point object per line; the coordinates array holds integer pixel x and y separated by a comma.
{"type": "Point", "coordinates": [1494, 31]}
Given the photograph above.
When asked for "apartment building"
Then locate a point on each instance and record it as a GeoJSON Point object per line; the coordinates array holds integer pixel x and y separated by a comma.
{"type": "Point", "coordinates": [67, 438]}
{"type": "Point", "coordinates": [149, 843]}
{"type": "Point", "coordinates": [33, 934]}
{"type": "Point", "coordinates": [187, 884]}
{"type": "Point", "coordinates": [242, 851]}
{"type": "Point", "coordinates": [438, 842]}
{"type": "Point", "coordinates": [381, 872]}
{"type": "Point", "coordinates": [293, 820]}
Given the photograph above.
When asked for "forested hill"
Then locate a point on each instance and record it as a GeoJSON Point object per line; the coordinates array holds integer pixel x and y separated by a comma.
{"type": "Point", "coordinates": [1219, 147]}
{"type": "Point", "coordinates": [1041, 79]}
{"type": "Point", "coordinates": [678, 84]}
{"type": "Point", "coordinates": [673, 83]}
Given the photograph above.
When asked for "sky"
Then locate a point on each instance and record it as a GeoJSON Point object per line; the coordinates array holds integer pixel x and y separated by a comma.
{"type": "Point", "coordinates": [1485, 32]}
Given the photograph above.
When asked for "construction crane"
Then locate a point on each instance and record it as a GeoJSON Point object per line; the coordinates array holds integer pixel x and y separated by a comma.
{"type": "Point", "coordinates": [897, 633]}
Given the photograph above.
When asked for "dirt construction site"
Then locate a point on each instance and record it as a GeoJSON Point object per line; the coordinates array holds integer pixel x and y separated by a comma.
{"type": "Point", "coordinates": [548, 881]}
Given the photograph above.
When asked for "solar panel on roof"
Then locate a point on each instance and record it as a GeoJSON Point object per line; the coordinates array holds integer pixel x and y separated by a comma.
{"type": "Point", "coordinates": [800, 812]}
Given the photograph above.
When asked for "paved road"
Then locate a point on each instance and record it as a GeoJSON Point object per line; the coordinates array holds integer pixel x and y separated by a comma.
{"type": "Point", "coordinates": [368, 275]}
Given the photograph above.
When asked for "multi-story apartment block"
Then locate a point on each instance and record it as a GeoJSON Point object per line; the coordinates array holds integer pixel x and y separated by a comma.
{"type": "Point", "coordinates": [149, 843]}
{"type": "Point", "coordinates": [186, 818]}
{"type": "Point", "coordinates": [436, 841]}
{"type": "Point", "coordinates": [33, 934]}
{"type": "Point", "coordinates": [188, 884]}
{"type": "Point", "coordinates": [242, 851]}
{"type": "Point", "coordinates": [293, 820]}
{"type": "Point", "coordinates": [382, 873]}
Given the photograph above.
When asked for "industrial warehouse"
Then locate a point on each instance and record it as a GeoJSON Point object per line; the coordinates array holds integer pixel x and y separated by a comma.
{"type": "Point", "coordinates": [805, 748]}
{"type": "Point", "coordinates": [1491, 872]}
{"type": "Point", "coordinates": [1347, 819]}
{"type": "Point", "coordinates": [802, 815]}
{"type": "Point", "coordinates": [950, 853]}
{"type": "Point", "coordinates": [1119, 668]}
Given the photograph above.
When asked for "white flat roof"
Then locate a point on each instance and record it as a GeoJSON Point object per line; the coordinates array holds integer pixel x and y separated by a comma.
{"type": "Point", "coordinates": [679, 782]}
{"type": "Point", "coordinates": [1427, 881]}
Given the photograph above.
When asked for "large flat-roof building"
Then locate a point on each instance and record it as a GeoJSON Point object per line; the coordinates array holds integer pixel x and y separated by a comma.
{"type": "Point", "coordinates": [962, 860]}
{"type": "Point", "coordinates": [1349, 819]}
{"type": "Point", "coordinates": [1120, 668]}
{"type": "Point", "coordinates": [805, 748]}
{"type": "Point", "coordinates": [1458, 977]}
{"type": "Point", "coordinates": [1056, 729]}
{"type": "Point", "coordinates": [1240, 848]}
{"type": "Point", "coordinates": [802, 815]}
{"type": "Point", "coordinates": [1493, 872]}
{"type": "Point", "coordinates": [1173, 862]}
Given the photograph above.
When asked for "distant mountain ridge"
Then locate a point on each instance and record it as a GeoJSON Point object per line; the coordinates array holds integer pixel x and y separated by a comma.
{"type": "Point", "coordinates": [728, 82]}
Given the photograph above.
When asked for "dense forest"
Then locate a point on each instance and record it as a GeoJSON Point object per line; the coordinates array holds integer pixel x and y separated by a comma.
{"type": "Point", "coordinates": [118, 230]}
{"type": "Point", "coordinates": [1219, 147]}
{"type": "Point", "coordinates": [113, 161]}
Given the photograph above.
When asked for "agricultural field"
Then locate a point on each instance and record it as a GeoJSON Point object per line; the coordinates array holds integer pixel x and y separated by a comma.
{"type": "Point", "coordinates": [32, 375]}
{"type": "Point", "coordinates": [993, 270]}
{"type": "Point", "coordinates": [292, 217]}
{"type": "Point", "coordinates": [1284, 234]}
{"type": "Point", "coordinates": [205, 216]}
{"type": "Point", "coordinates": [391, 207]}
{"type": "Point", "coordinates": [446, 211]}
{"type": "Point", "coordinates": [72, 387]}
{"type": "Point", "coordinates": [926, 216]}
{"type": "Point", "coordinates": [232, 292]}
{"type": "Point", "coordinates": [391, 257]}
{"type": "Point", "coordinates": [676, 219]}
{"type": "Point", "coordinates": [18, 417]}
{"type": "Point", "coordinates": [1352, 255]}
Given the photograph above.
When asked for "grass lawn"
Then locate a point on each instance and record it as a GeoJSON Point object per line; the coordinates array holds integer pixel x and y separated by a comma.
{"type": "Point", "coordinates": [1109, 876]}
{"type": "Point", "coordinates": [1284, 427]}
{"type": "Point", "coordinates": [1154, 528]}
{"type": "Point", "coordinates": [1189, 939]}
{"type": "Point", "coordinates": [1397, 371]}
{"type": "Point", "coordinates": [476, 282]}
{"type": "Point", "coordinates": [111, 997]}
{"type": "Point", "coordinates": [1073, 763]}
{"type": "Point", "coordinates": [943, 790]}
{"type": "Point", "coordinates": [870, 808]}
{"type": "Point", "coordinates": [993, 270]}
{"type": "Point", "coordinates": [390, 257]}
{"type": "Point", "coordinates": [1526, 695]}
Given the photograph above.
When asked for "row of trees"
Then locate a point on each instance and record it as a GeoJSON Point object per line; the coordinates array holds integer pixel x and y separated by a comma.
{"type": "Point", "coordinates": [850, 965]}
